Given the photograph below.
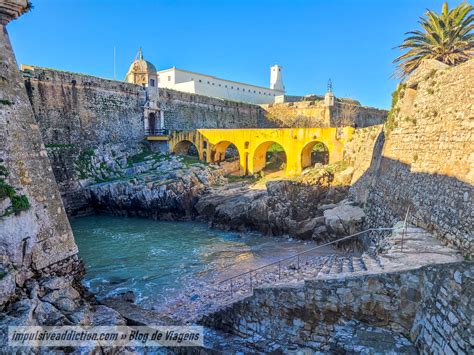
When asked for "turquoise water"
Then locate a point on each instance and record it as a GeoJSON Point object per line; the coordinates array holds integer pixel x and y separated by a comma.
{"type": "Point", "coordinates": [156, 259]}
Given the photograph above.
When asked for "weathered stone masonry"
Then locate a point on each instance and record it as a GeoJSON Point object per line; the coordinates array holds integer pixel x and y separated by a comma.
{"type": "Point", "coordinates": [432, 304]}
{"type": "Point", "coordinates": [77, 113]}
{"type": "Point", "coordinates": [40, 236]}
{"type": "Point", "coordinates": [427, 161]}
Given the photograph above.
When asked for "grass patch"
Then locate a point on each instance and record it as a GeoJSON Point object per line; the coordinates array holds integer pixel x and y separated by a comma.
{"type": "Point", "coordinates": [191, 160]}
{"type": "Point", "coordinates": [138, 158]}
{"type": "Point", "coordinates": [337, 167]}
{"type": "Point", "coordinates": [83, 163]}
{"type": "Point", "coordinates": [61, 146]}
{"type": "Point", "coordinates": [247, 179]}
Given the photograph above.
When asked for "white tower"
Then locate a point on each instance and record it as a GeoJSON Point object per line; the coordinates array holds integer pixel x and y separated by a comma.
{"type": "Point", "coordinates": [275, 78]}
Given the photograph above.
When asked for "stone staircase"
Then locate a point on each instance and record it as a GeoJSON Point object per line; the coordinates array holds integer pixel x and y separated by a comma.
{"type": "Point", "coordinates": [419, 248]}
{"type": "Point", "coordinates": [203, 299]}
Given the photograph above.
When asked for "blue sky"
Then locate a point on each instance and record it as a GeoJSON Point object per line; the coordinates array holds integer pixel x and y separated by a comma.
{"type": "Point", "coordinates": [349, 41]}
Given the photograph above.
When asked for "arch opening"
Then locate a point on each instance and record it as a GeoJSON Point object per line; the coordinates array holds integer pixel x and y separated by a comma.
{"type": "Point", "coordinates": [187, 148]}
{"type": "Point", "coordinates": [226, 154]}
{"type": "Point", "coordinates": [314, 153]}
{"type": "Point", "coordinates": [270, 157]}
{"type": "Point", "coordinates": [151, 123]}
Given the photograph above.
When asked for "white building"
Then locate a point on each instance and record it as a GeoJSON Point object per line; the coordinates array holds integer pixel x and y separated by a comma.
{"type": "Point", "coordinates": [207, 85]}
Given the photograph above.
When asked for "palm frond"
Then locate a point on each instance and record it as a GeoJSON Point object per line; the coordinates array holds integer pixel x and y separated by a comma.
{"type": "Point", "coordinates": [446, 37]}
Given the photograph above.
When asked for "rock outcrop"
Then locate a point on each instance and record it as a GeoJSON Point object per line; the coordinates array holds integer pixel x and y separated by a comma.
{"type": "Point", "coordinates": [163, 187]}
{"type": "Point", "coordinates": [284, 207]}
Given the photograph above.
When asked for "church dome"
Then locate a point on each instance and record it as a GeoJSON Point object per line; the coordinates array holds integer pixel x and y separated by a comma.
{"type": "Point", "coordinates": [140, 70]}
{"type": "Point", "coordinates": [142, 66]}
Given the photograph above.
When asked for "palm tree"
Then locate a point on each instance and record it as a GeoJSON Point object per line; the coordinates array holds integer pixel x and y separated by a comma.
{"type": "Point", "coordinates": [447, 38]}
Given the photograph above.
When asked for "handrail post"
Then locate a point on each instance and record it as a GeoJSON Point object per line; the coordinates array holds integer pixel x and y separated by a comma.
{"type": "Point", "coordinates": [251, 288]}
{"type": "Point", "coordinates": [298, 263]}
{"type": "Point", "coordinates": [231, 291]}
{"type": "Point", "coordinates": [404, 229]}
{"type": "Point", "coordinates": [279, 270]}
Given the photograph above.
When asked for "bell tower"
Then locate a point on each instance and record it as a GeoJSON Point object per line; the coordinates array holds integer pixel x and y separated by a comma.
{"type": "Point", "coordinates": [276, 82]}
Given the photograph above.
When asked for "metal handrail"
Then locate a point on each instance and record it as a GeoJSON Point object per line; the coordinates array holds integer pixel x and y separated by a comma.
{"type": "Point", "coordinates": [306, 251]}
{"type": "Point", "coordinates": [157, 132]}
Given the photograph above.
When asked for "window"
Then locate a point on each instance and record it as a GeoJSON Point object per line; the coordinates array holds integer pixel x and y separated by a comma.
{"type": "Point", "coordinates": [152, 82]}
{"type": "Point", "coordinates": [213, 84]}
{"type": "Point", "coordinates": [208, 82]}
{"type": "Point", "coordinates": [200, 80]}
{"type": "Point", "coordinates": [254, 91]}
{"type": "Point", "coordinates": [226, 86]}
{"type": "Point", "coordinates": [169, 77]}
{"type": "Point", "coordinates": [231, 87]}
{"type": "Point", "coordinates": [220, 85]}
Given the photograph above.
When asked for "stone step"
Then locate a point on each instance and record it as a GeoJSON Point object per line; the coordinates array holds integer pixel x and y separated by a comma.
{"type": "Point", "coordinates": [327, 266]}
{"type": "Point", "coordinates": [359, 265]}
{"type": "Point", "coordinates": [348, 265]}
{"type": "Point", "coordinates": [372, 262]}
{"type": "Point", "coordinates": [338, 265]}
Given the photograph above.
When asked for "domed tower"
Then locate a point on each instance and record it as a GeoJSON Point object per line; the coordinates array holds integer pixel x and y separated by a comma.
{"type": "Point", "coordinates": [142, 72]}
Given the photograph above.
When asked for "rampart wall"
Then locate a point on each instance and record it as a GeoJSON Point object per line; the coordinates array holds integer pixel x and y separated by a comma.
{"type": "Point", "coordinates": [430, 305]}
{"type": "Point", "coordinates": [427, 160]}
{"type": "Point", "coordinates": [84, 118]}
{"type": "Point", "coordinates": [34, 230]}
{"type": "Point", "coordinates": [311, 111]}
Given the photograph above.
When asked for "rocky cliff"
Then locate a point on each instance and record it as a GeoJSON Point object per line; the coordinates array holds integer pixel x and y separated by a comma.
{"type": "Point", "coordinates": [160, 186]}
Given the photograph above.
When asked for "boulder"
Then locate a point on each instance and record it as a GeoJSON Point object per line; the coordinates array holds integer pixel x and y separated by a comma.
{"type": "Point", "coordinates": [305, 229]}
{"type": "Point", "coordinates": [320, 233]}
{"type": "Point", "coordinates": [106, 316]}
{"type": "Point", "coordinates": [344, 220]}
{"type": "Point", "coordinates": [7, 287]}
{"type": "Point", "coordinates": [344, 177]}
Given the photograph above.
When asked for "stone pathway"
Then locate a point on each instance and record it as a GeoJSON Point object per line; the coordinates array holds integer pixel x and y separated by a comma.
{"type": "Point", "coordinates": [419, 248]}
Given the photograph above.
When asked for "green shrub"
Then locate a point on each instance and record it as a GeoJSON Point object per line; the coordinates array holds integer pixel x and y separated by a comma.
{"type": "Point", "coordinates": [6, 102]}
{"type": "Point", "coordinates": [20, 203]}
{"type": "Point", "coordinates": [6, 190]}
{"type": "Point", "coordinates": [391, 123]}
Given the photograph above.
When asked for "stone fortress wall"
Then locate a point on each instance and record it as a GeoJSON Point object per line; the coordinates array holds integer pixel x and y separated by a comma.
{"type": "Point", "coordinates": [313, 111]}
{"type": "Point", "coordinates": [80, 115]}
{"type": "Point", "coordinates": [427, 160]}
{"type": "Point", "coordinates": [35, 234]}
